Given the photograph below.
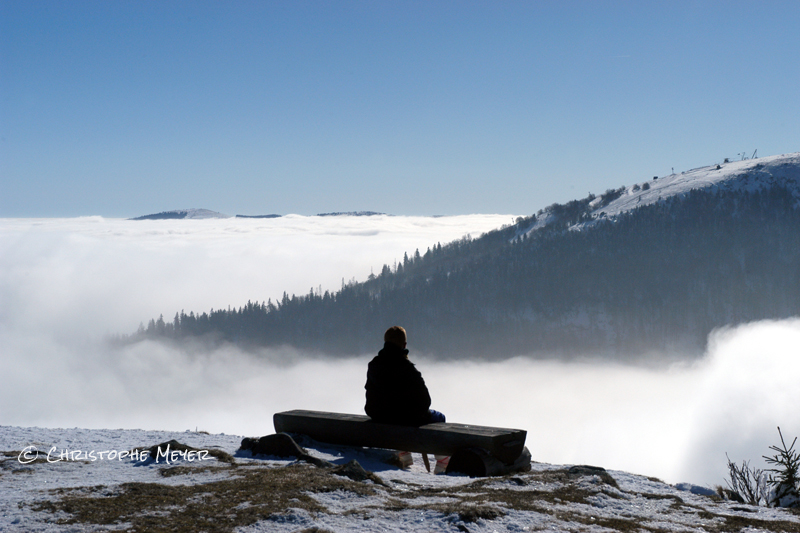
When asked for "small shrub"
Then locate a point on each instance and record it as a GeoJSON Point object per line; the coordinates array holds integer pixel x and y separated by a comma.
{"type": "Point", "coordinates": [775, 487]}
{"type": "Point", "coordinates": [786, 478]}
{"type": "Point", "coordinates": [610, 195]}
{"type": "Point", "coordinates": [747, 484]}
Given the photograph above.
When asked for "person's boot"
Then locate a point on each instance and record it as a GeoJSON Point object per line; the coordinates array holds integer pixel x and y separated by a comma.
{"type": "Point", "coordinates": [404, 459]}
{"type": "Point", "coordinates": [441, 464]}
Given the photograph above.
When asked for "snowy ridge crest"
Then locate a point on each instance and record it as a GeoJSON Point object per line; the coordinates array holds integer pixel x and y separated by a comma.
{"type": "Point", "coordinates": [746, 176]}
{"type": "Point", "coordinates": [749, 176]}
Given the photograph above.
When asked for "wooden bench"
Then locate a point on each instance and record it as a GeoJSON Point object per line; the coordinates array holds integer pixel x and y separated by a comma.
{"type": "Point", "coordinates": [475, 450]}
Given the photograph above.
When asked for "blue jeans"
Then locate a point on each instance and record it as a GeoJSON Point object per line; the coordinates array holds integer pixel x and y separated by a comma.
{"type": "Point", "coordinates": [436, 416]}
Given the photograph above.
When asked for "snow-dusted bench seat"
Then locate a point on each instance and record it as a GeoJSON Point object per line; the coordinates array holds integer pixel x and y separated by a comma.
{"type": "Point", "coordinates": [498, 450]}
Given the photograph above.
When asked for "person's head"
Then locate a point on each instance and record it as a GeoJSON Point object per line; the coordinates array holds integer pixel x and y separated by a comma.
{"type": "Point", "coordinates": [396, 335]}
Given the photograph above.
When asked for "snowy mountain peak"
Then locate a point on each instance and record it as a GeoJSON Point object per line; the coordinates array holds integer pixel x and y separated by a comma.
{"type": "Point", "coordinates": [183, 214]}
{"type": "Point", "coordinates": [748, 175]}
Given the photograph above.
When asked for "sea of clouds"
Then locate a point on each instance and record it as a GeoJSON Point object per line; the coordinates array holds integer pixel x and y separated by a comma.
{"type": "Point", "coordinates": [67, 283]}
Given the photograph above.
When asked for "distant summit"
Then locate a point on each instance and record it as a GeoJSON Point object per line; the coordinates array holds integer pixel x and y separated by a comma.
{"type": "Point", "coordinates": [351, 214]}
{"type": "Point", "coordinates": [748, 176]}
{"type": "Point", "coordinates": [182, 213]}
{"type": "Point", "coordinates": [207, 213]}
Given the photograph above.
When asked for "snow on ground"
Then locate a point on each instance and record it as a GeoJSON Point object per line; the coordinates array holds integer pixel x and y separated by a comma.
{"type": "Point", "coordinates": [749, 175]}
{"type": "Point", "coordinates": [98, 491]}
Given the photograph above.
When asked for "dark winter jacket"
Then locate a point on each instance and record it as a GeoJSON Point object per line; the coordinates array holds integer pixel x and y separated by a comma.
{"type": "Point", "coordinates": [396, 392]}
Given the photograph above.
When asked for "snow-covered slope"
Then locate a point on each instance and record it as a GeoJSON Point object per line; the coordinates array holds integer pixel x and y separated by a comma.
{"type": "Point", "coordinates": [96, 490]}
{"type": "Point", "coordinates": [749, 175]}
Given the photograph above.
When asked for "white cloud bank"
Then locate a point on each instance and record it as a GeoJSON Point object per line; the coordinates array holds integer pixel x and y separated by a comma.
{"type": "Point", "coordinates": [70, 275]}
{"type": "Point", "coordinates": [63, 282]}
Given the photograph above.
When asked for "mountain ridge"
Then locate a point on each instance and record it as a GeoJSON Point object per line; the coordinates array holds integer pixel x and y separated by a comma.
{"type": "Point", "coordinates": [750, 175]}
{"type": "Point", "coordinates": [611, 276]}
{"type": "Point", "coordinates": [192, 213]}
{"type": "Point", "coordinates": [195, 213]}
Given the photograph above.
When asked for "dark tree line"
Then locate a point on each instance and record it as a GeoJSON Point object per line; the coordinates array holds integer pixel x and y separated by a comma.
{"type": "Point", "coordinates": [660, 277]}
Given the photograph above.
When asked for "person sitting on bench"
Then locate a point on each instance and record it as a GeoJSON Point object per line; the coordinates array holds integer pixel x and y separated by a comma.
{"type": "Point", "coordinates": [396, 392]}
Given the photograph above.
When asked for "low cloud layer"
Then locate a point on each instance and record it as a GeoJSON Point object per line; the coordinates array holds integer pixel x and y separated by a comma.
{"type": "Point", "coordinates": [64, 285]}
{"type": "Point", "coordinates": [675, 423]}
{"type": "Point", "coordinates": [65, 276]}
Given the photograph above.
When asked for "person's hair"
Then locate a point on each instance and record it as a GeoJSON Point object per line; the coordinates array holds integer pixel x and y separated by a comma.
{"type": "Point", "coordinates": [396, 335]}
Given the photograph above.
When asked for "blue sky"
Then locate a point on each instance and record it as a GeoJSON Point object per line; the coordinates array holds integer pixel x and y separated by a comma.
{"type": "Point", "coordinates": [418, 108]}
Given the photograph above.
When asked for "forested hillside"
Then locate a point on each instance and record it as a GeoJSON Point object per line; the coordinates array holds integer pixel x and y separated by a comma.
{"type": "Point", "coordinates": [569, 281]}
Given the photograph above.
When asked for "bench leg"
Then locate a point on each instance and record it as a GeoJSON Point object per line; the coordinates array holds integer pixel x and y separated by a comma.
{"type": "Point", "coordinates": [427, 463]}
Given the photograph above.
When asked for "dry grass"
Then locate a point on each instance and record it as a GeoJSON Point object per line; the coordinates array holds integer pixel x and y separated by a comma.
{"type": "Point", "coordinates": [254, 493]}
{"type": "Point", "coordinates": [251, 494]}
